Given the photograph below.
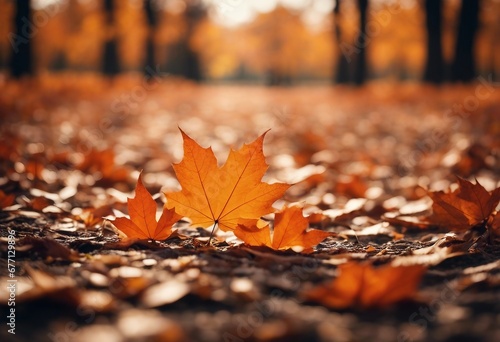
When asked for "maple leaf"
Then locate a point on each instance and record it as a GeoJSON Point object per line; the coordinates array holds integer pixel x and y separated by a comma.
{"type": "Point", "coordinates": [361, 285]}
{"type": "Point", "coordinates": [289, 231]}
{"type": "Point", "coordinates": [470, 204]}
{"type": "Point", "coordinates": [142, 223]}
{"type": "Point", "coordinates": [224, 195]}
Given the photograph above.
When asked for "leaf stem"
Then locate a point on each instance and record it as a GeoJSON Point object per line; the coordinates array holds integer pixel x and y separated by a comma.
{"type": "Point", "coordinates": [212, 233]}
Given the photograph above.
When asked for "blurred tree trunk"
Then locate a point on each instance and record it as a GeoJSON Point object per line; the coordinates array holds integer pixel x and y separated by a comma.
{"type": "Point", "coordinates": [183, 60]}
{"type": "Point", "coordinates": [110, 58]}
{"type": "Point", "coordinates": [277, 73]}
{"type": "Point", "coordinates": [360, 70]}
{"type": "Point", "coordinates": [152, 20]}
{"type": "Point", "coordinates": [434, 66]}
{"type": "Point", "coordinates": [21, 62]}
{"type": "Point", "coordinates": [495, 49]}
{"type": "Point", "coordinates": [194, 13]}
{"type": "Point", "coordinates": [278, 78]}
{"type": "Point", "coordinates": [342, 68]}
{"type": "Point", "coordinates": [463, 66]}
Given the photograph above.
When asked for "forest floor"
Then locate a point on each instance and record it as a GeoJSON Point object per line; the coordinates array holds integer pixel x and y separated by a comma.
{"type": "Point", "coordinates": [361, 161]}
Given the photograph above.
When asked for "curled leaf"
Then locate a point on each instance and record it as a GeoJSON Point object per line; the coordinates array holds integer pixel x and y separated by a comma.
{"type": "Point", "coordinates": [467, 206]}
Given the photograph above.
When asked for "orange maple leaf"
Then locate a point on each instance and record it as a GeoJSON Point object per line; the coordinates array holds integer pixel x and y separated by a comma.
{"type": "Point", "coordinates": [361, 285]}
{"type": "Point", "coordinates": [213, 195]}
{"type": "Point", "coordinates": [470, 204]}
{"type": "Point", "coordinates": [289, 231]}
{"type": "Point", "coordinates": [142, 223]}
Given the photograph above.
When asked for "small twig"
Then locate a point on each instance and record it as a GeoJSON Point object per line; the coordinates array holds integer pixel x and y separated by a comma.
{"type": "Point", "coordinates": [356, 236]}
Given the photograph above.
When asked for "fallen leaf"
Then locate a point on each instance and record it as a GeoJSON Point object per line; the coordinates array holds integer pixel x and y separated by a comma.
{"type": "Point", "coordinates": [144, 325]}
{"type": "Point", "coordinates": [318, 218]}
{"type": "Point", "coordinates": [127, 287]}
{"type": "Point", "coordinates": [351, 186]}
{"type": "Point", "coordinates": [61, 290]}
{"type": "Point", "coordinates": [224, 195]}
{"type": "Point", "coordinates": [253, 235]}
{"type": "Point", "coordinates": [39, 203]}
{"type": "Point", "coordinates": [45, 247]}
{"type": "Point", "coordinates": [93, 216]}
{"type": "Point", "coordinates": [138, 243]}
{"type": "Point", "coordinates": [142, 223]}
{"type": "Point", "coordinates": [99, 301]}
{"type": "Point", "coordinates": [370, 249]}
{"type": "Point", "coordinates": [289, 231]}
{"type": "Point", "coordinates": [103, 162]}
{"type": "Point", "coordinates": [495, 225]}
{"type": "Point", "coordinates": [6, 200]}
{"type": "Point", "coordinates": [164, 293]}
{"type": "Point", "coordinates": [34, 169]}
{"type": "Point", "coordinates": [408, 222]}
{"type": "Point", "coordinates": [470, 204]}
{"type": "Point", "coordinates": [472, 160]}
{"type": "Point", "coordinates": [9, 146]}
{"type": "Point", "coordinates": [363, 286]}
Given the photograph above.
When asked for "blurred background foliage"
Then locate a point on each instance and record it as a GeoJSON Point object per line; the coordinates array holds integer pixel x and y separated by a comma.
{"type": "Point", "coordinates": [273, 41]}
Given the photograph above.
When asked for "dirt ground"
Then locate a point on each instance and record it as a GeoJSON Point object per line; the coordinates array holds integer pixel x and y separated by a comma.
{"type": "Point", "coordinates": [72, 148]}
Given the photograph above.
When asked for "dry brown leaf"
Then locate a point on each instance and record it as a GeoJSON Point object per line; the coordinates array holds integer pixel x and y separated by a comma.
{"type": "Point", "coordinates": [46, 247]}
{"type": "Point", "coordinates": [34, 168]}
{"type": "Point", "coordinates": [470, 204]}
{"type": "Point", "coordinates": [164, 293]}
{"type": "Point", "coordinates": [495, 225]}
{"type": "Point", "coordinates": [363, 286]}
{"type": "Point", "coordinates": [93, 216]}
{"type": "Point", "coordinates": [103, 161]}
{"type": "Point", "coordinates": [62, 290]}
{"type": "Point", "coordinates": [6, 200]}
{"type": "Point", "coordinates": [39, 203]}
{"type": "Point", "coordinates": [351, 186]}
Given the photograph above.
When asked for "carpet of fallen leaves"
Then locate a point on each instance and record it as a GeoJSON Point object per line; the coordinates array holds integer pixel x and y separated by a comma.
{"type": "Point", "coordinates": [365, 164]}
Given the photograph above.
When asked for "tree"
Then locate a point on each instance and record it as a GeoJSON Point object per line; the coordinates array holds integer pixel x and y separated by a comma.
{"type": "Point", "coordinates": [110, 59]}
{"type": "Point", "coordinates": [183, 59]}
{"type": "Point", "coordinates": [152, 22]}
{"type": "Point", "coordinates": [21, 62]}
{"type": "Point", "coordinates": [434, 66]}
{"type": "Point", "coordinates": [352, 53]}
{"type": "Point", "coordinates": [342, 69]}
{"type": "Point", "coordinates": [360, 70]}
{"type": "Point", "coordinates": [463, 66]}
